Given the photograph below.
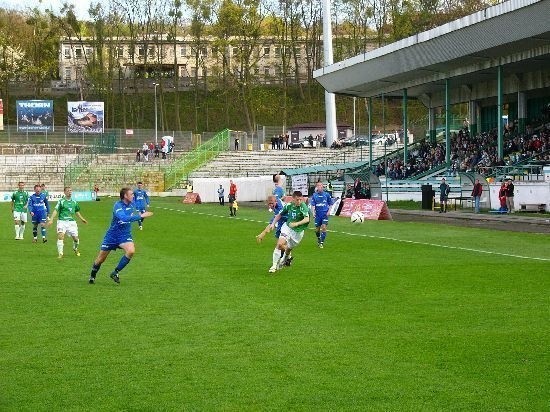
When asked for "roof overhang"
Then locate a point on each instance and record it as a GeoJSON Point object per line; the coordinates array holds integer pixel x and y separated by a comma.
{"type": "Point", "coordinates": [514, 34]}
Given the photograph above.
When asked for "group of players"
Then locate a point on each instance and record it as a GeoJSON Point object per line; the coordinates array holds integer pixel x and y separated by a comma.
{"type": "Point", "coordinates": [131, 207]}
{"type": "Point", "coordinates": [290, 220]}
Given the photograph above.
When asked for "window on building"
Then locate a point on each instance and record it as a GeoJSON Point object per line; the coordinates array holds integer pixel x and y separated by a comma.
{"type": "Point", "coordinates": [88, 51]}
{"type": "Point", "coordinates": [67, 74]}
{"type": "Point", "coordinates": [151, 52]}
{"type": "Point", "coordinates": [203, 51]}
{"type": "Point", "coordinates": [78, 53]}
{"type": "Point", "coordinates": [120, 52]}
{"type": "Point", "coordinates": [235, 51]}
{"type": "Point", "coordinates": [183, 71]}
{"type": "Point", "coordinates": [266, 71]}
{"type": "Point", "coordinates": [256, 70]}
{"type": "Point", "coordinates": [277, 52]}
{"type": "Point", "coordinates": [183, 51]}
{"type": "Point", "coordinates": [67, 52]}
{"type": "Point", "coordinates": [141, 52]}
{"type": "Point", "coordinates": [193, 71]}
{"type": "Point", "coordinates": [297, 51]}
{"type": "Point", "coordinates": [214, 51]}
{"type": "Point", "coordinates": [266, 51]}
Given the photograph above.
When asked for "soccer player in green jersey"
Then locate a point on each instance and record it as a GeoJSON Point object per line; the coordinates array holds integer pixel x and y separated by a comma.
{"type": "Point", "coordinates": [19, 200]}
{"type": "Point", "coordinates": [67, 209]}
{"type": "Point", "coordinates": [292, 231]}
{"type": "Point", "coordinates": [43, 190]}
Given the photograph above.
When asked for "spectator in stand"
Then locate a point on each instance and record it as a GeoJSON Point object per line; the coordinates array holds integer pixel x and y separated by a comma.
{"type": "Point", "coordinates": [357, 188]}
{"type": "Point", "coordinates": [365, 190]}
{"type": "Point", "coordinates": [138, 155]}
{"type": "Point", "coordinates": [273, 142]}
{"type": "Point", "coordinates": [285, 141]}
{"type": "Point", "coordinates": [476, 195]}
{"type": "Point", "coordinates": [348, 191]}
{"type": "Point", "coordinates": [237, 143]}
{"type": "Point", "coordinates": [510, 196]}
{"type": "Point", "coordinates": [157, 150]}
{"type": "Point", "coordinates": [444, 189]}
{"type": "Point", "coordinates": [280, 142]}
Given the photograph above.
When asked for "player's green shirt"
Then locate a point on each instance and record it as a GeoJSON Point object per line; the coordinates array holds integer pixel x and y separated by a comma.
{"type": "Point", "coordinates": [45, 192]}
{"type": "Point", "coordinates": [20, 199]}
{"type": "Point", "coordinates": [66, 209]}
{"type": "Point", "coordinates": [295, 214]}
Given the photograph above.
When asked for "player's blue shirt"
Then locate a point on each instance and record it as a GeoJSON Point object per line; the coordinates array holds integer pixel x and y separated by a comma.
{"type": "Point", "coordinates": [321, 201]}
{"type": "Point", "coordinates": [38, 203]}
{"type": "Point", "coordinates": [121, 223]}
{"type": "Point", "coordinates": [279, 192]}
{"type": "Point", "coordinates": [278, 207]}
{"type": "Point", "coordinates": [141, 199]}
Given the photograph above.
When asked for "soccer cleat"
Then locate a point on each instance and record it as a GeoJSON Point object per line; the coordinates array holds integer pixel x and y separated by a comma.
{"type": "Point", "coordinates": [34, 240]}
{"type": "Point", "coordinates": [76, 252]}
{"type": "Point", "coordinates": [321, 245]}
{"type": "Point", "coordinates": [141, 228]}
{"type": "Point", "coordinates": [281, 263]}
{"type": "Point", "coordinates": [17, 238]}
{"type": "Point", "coordinates": [272, 269]}
{"type": "Point", "coordinates": [60, 256]}
{"type": "Point", "coordinates": [91, 281]}
{"type": "Point", "coordinates": [44, 240]}
{"type": "Point", "coordinates": [115, 277]}
{"type": "Point", "coordinates": [288, 261]}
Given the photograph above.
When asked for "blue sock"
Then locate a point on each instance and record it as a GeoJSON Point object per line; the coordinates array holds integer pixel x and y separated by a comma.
{"type": "Point", "coordinates": [323, 236]}
{"type": "Point", "coordinates": [43, 231]}
{"type": "Point", "coordinates": [122, 263]}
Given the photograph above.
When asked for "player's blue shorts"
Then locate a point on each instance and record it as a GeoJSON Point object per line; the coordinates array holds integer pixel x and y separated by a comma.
{"type": "Point", "coordinates": [278, 228]}
{"type": "Point", "coordinates": [39, 217]}
{"type": "Point", "coordinates": [321, 218]}
{"type": "Point", "coordinates": [113, 243]}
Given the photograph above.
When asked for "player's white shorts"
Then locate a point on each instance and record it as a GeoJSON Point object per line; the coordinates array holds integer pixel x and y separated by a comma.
{"type": "Point", "coordinates": [292, 237]}
{"type": "Point", "coordinates": [68, 227]}
{"type": "Point", "coordinates": [22, 216]}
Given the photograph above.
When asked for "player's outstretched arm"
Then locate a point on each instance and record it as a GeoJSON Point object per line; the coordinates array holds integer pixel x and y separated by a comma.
{"type": "Point", "coordinates": [81, 218]}
{"type": "Point", "coordinates": [54, 215]}
{"type": "Point", "coordinates": [146, 214]}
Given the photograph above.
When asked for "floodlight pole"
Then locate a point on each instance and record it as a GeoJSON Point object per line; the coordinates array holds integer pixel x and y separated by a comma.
{"type": "Point", "coordinates": [156, 116]}
{"type": "Point", "coordinates": [330, 100]}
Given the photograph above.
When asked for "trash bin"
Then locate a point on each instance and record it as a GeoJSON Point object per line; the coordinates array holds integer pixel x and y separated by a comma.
{"type": "Point", "coordinates": [249, 146]}
{"type": "Point", "coordinates": [427, 197]}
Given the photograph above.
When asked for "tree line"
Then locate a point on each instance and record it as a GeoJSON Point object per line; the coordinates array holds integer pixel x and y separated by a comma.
{"type": "Point", "coordinates": [30, 51]}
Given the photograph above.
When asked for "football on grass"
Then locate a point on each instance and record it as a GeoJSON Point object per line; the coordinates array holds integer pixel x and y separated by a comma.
{"type": "Point", "coordinates": [357, 217]}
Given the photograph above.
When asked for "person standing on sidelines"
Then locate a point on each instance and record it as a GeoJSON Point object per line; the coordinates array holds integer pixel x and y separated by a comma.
{"type": "Point", "coordinates": [67, 208]}
{"type": "Point", "coordinates": [444, 189]}
{"type": "Point", "coordinates": [141, 201]}
{"type": "Point", "coordinates": [292, 231]}
{"type": "Point", "coordinates": [119, 234]}
{"type": "Point", "coordinates": [221, 196]}
{"type": "Point", "coordinates": [19, 205]}
{"type": "Point", "coordinates": [232, 198]}
{"type": "Point", "coordinates": [320, 205]}
{"type": "Point", "coordinates": [39, 209]}
{"type": "Point", "coordinates": [476, 195]}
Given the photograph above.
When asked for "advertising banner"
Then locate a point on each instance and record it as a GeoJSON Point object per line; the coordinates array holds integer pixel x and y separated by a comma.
{"type": "Point", "coordinates": [85, 117]}
{"type": "Point", "coordinates": [299, 182]}
{"type": "Point", "coordinates": [1, 115]}
{"type": "Point", "coordinates": [35, 115]}
{"type": "Point", "coordinates": [372, 209]}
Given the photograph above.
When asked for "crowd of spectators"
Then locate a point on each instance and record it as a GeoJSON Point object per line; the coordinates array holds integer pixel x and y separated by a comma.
{"type": "Point", "coordinates": [472, 153]}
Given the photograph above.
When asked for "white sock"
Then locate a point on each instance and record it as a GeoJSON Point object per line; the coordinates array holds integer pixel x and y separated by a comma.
{"type": "Point", "coordinates": [276, 256]}
{"type": "Point", "coordinates": [60, 247]}
{"type": "Point", "coordinates": [21, 230]}
{"type": "Point", "coordinates": [16, 230]}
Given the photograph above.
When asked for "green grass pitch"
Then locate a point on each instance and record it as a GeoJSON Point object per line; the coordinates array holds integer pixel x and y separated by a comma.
{"type": "Point", "coordinates": [388, 316]}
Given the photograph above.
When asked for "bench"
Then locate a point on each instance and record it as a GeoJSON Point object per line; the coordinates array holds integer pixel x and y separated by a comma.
{"type": "Point", "coordinates": [532, 207]}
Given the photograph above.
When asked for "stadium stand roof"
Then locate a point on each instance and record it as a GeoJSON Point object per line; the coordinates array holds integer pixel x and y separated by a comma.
{"type": "Point", "coordinates": [514, 34]}
{"type": "Point", "coordinates": [323, 168]}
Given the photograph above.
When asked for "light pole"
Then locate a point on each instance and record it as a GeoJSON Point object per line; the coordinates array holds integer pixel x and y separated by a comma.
{"type": "Point", "coordinates": [156, 117]}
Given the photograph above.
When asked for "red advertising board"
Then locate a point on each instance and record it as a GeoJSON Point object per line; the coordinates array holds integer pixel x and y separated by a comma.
{"type": "Point", "coordinates": [372, 209]}
{"type": "Point", "coordinates": [191, 198]}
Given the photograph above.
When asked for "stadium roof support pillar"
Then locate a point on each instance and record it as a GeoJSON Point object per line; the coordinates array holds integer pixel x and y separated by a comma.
{"type": "Point", "coordinates": [405, 128]}
{"type": "Point", "coordinates": [522, 111]}
{"type": "Point", "coordinates": [447, 124]}
{"type": "Point", "coordinates": [431, 124]}
{"type": "Point", "coordinates": [473, 117]}
{"type": "Point", "coordinates": [369, 131]}
{"type": "Point", "coordinates": [500, 99]}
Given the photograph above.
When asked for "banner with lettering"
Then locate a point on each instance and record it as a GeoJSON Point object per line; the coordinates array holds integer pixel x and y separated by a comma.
{"type": "Point", "coordinates": [371, 209]}
{"type": "Point", "coordinates": [85, 117]}
{"type": "Point", "coordinates": [34, 115]}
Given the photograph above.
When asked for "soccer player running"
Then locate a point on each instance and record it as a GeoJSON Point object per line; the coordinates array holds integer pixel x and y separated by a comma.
{"type": "Point", "coordinates": [39, 209]}
{"type": "Point", "coordinates": [292, 230]}
{"type": "Point", "coordinates": [19, 205]}
{"type": "Point", "coordinates": [275, 205]}
{"type": "Point", "coordinates": [320, 205]}
{"type": "Point", "coordinates": [119, 234]}
{"type": "Point", "coordinates": [141, 201]}
{"type": "Point", "coordinates": [67, 208]}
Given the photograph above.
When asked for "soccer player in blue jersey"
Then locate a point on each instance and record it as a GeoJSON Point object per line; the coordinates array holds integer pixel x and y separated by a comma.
{"type": "Point", "coordinates": [275, 205]}
{"type": "Point", "coordinates": [141, 200]}
{"type": "Point", "coordinates": [40, 210]}
{"type": "Point", "coordinates": [320, 205]}
{"type": "Point", "coordinates": [119, 234]}
{"type": "Point", "coordinates": [278, 190]}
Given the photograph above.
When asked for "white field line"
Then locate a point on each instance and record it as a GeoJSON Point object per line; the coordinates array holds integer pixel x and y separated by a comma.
{"type": "Point", "coordinates": [393, 239]}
